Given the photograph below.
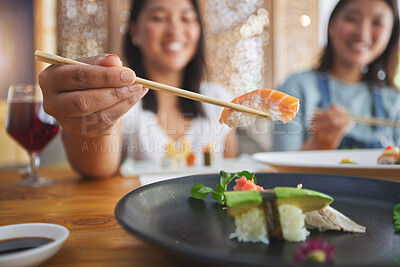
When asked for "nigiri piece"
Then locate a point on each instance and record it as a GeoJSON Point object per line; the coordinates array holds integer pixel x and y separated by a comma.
{"type": "Point", "coordinates": [331, 219]}
{"type": "Point", "coordinates": [278, 105]}
{"type": "Point", "coordinates": [274, 213]}
{"type": "Point", "coordinates": [305, 199]}
{"type": "Point", "coordinates": [391, 155]}
{"type": "Point", "coordinates": [254, 225]}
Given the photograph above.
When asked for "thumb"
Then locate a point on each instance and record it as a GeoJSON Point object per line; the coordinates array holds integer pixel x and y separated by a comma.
{"type": "Point", "coordinates": [104, 60]}
{"type": "Point", "coordinates": [109, 61]}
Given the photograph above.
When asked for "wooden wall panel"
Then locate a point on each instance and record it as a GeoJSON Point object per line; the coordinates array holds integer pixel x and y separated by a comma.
{"type": "Point", "coordinates": [295, 47]}
{"type": "Point", "coordinates": [45, 29]}
{"type": "Point", "coordinates": [117, 25]}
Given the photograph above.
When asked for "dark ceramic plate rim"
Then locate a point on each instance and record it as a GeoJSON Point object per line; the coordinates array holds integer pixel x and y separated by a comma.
{"type": "Point", "coordinates": [204, 254]}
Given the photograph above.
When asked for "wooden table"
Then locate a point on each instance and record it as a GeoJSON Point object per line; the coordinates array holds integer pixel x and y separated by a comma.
{"type": "Point", "coordinates": [86, 208]}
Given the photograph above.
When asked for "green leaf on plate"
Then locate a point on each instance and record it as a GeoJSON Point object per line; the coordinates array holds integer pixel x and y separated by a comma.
{"type": "Point", "coordinates": [220, 188]}
{"type": "Point", "coordinates": [217, 196]}
{"type": "Point", "coordinates": [200, 191]}
{"type": "Point", "coordinates": [247, 174]}
{"type": "Point", "coordinates": [396, 218]}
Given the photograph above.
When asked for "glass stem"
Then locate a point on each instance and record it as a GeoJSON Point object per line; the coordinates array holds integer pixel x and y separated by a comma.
{"type": "Point", "coordinates": [33, 166]}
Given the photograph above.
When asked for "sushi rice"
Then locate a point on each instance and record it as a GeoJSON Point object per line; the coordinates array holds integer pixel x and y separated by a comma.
{"type": "Point", "coordinates": [251, 225]}
{"type": "Point", "coordinates": [293, 223]}
{"type": "Point", "coordinates": [278, 105]}
{"type": "Point", "coordinates": [256, 102]}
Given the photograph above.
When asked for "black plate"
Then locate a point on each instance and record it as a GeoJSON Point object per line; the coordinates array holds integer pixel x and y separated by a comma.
{"type": "Point", "coordinates": [165, 214]}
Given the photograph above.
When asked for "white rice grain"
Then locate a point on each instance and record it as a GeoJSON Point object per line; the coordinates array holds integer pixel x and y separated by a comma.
{"type": "Point", "coordinates": [292, 223]}
{"type": "Point", "coordinates": [251, 227]}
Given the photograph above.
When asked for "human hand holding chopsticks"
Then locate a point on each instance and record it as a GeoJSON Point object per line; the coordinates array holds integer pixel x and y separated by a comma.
{"type": "Point", "coordinates": [368, 120]}
{"type": "Point", "coordinates": [328, 128]}
{"type": "Point", "coordinates": [57, 60]}
{"type": "Point", "coordinates": [89, 100]}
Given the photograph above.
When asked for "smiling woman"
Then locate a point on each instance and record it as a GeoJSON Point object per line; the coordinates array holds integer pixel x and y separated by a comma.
{"type": "Point", "coordinates": [355, 75]}
{"type": "Point", "coordinates": [164, 44]}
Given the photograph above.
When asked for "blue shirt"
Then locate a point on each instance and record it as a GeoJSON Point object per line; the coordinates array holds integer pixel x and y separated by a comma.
{"type": "Point", "coordinates": [357, 98]}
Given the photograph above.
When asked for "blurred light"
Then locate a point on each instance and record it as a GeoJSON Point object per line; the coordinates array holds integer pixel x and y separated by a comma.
{"type": "Point", "coordinates": [91, 8]}
{"type": "Point", "coordinates": [82, 27]}
{"type": "Point", "coordinates": [236, 38]}
{"type": "Point", "coordinates": [381, 75]}
{"type": "Point", "coordinates": [233, 12]}
{"type": "Point", "coordinates": [397, 79]}
{"type": "Point", "coordinates": [305, 21]}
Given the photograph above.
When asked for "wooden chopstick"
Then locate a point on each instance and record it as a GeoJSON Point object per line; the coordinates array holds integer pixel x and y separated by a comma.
{"type": "Point", "coordinates": [368, 120]}
{"type": "Point", "coordinates": [57, 60]}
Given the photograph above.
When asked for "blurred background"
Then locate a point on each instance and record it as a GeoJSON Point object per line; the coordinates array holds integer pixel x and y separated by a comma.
{"type": "Point", "coordinates": [254, 44]}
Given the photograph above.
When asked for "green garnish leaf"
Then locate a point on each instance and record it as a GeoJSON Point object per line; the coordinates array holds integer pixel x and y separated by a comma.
{"type": "Point", "coordinates": [200, 191]}
{"type": "Point", "coordinates": [347, 161]}
{"type": "Point", "coordinates": [220, 188]}
{"type": "Point", "coordinates": [396, 218]}
{"type": "Point", "coordinates": [217, 196]}
{"type": "Point", "coordinates": [247, 174]}
{"type": "Point", "coordinates": [225, 179]}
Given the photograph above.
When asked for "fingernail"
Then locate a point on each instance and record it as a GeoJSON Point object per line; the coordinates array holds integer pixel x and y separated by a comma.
{"type": "Point", "coordinates": [135, 88]}
{"type": "Point", "coordinates": [112, 56]}
{"type": "Point", "coordinates": [144, 91]}
{"type": "Point", "coordinates": [127, 76]}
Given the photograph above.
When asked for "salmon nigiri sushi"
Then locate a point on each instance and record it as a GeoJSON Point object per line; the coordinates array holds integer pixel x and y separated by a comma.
{"type": "Point", "coordinates": [278, 105]}
{"type": "Point", "coordinates": [391, 155]}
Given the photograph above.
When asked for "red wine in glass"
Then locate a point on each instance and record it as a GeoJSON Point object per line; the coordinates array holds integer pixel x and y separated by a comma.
{"type": "Point", "coordinates": [32, 131]}
{"type": "Point", "coordinates": [30, 126]}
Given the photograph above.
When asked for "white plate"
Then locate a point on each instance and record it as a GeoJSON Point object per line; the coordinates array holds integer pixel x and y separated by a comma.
{"type": "Point", "coordinates": [328, 161]}
{"type": "Point", "coordinates": [34, 256]}
{"type": "Point", "coordinates": [149, 172]}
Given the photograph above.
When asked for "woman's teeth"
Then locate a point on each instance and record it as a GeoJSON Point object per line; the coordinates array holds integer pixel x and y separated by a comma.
{"type": "Point", "coordinates": [358, 47]}
{"type": "Point", "coordinates": [175, 47]}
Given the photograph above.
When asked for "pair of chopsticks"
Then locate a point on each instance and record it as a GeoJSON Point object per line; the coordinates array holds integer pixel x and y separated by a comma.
{"type": "Point", "coordinates": [57, 60]}
{"type": "Point", "coordinates": [368, 120]}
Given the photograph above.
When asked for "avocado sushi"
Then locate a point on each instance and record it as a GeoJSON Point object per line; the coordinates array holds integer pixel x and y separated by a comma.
{"type": "Point", "coordinates": [277, 213]}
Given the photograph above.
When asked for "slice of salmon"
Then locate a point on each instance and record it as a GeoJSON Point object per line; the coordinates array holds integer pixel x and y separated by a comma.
{"type": "Point", "coordinates": [278, 105]}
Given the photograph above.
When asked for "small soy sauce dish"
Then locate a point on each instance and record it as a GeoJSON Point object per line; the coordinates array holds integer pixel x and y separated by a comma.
{"type": "Point", "coordinates": [30, 244]}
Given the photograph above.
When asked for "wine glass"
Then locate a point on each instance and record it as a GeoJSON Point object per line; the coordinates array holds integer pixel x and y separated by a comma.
{"type": "Point", "coordinates": [30, 126]}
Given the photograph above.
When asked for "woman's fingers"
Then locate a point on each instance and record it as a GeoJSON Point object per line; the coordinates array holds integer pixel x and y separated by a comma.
{"type": "Point", "coordinates": [329, 127]}
{"type": "Point", "coordinates": [106, 71]}
{"type": "Point", "coordinates": [74, 77]}
{"type": "Point", "coordinates": [101, 122]}
{"type": "Point", "coordinates": [85, 102]}
{"type": "Point", "coordinates": [89, 100]}
{"type": "Point", "coordinates": [106, 61]}
{"type": "Point", "coordinates": [334, 117]}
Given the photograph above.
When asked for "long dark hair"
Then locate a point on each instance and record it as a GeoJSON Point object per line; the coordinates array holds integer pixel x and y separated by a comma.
{"type": "Point", "coordinates": [193, 73]}
{"type": "Point", "coordinates": [387, 62]}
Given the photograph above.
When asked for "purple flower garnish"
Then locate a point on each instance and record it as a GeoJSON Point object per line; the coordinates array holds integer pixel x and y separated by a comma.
{"type": "Point", "coordinates": [315, 250]}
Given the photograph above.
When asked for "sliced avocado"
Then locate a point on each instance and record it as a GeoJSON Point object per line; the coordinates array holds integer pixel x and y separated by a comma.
{"type": "Point", "coordinates": [241, 201]}
{"type": "Point", "coordinates": [305, 199]}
